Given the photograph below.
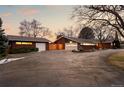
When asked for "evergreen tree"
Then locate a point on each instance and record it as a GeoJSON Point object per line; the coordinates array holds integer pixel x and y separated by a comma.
{"type": "Point", "coordinates": [3, 40]}
{"type": "Point", "coordinates": [116, 42]}
{"type": "Point", "coordinates": [86, 33]}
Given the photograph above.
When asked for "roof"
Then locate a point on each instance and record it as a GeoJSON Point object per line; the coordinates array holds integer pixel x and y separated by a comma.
{"type": "Point", "coordinates": [80, 40]}
{"type": "Point", "coordinates": [23, 38]}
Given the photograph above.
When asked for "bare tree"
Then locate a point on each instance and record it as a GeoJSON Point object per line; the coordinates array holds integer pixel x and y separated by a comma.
{"type": "Point", "coordinates": [45, 32]}
{"type": "Point", "coordinates": [69, 31]}
{"type": "Point", "coordinates": [25, 28]}
{"type": "Point", "coordinates": [110, 15]}
{"type": "Point", "coordinates": [103, 33]}
{"type": "Point", "coordinates": [59, 34]}
{"type": "Point", "coordinates": [33, 29]}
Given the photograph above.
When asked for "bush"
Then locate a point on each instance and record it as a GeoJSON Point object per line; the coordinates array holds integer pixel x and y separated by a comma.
{"type": "Point", "coordinates": [23, 50]}
{"type": "Point", "coordinates": [2, 55]}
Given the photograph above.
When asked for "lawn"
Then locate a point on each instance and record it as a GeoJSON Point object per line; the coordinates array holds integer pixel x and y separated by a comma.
{"type": "Point", "coordinates": [117, 60]}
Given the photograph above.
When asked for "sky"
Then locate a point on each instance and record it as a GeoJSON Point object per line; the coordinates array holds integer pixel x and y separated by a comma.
{"type": "Point", "coordinates": [55, 17]}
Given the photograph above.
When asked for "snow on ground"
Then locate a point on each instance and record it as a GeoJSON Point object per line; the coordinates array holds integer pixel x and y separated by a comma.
{"type": "Point", "coordinates": [4, 61]}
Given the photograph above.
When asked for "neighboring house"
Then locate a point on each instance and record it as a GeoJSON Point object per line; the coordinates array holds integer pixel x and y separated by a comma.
{"type": "Point", "coordinates": [21, 41]}
{"type": "Point", "coordinates": [71, 43]}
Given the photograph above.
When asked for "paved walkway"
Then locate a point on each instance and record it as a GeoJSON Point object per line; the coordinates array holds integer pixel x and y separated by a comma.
{"type": "Point", "coordinates": [62, 68]}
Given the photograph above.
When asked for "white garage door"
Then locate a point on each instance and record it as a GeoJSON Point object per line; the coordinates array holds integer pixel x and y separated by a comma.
{"type": "Point", "coordinates": [41, 46]}
{"type": "Point", "coordinates": [71, 46]}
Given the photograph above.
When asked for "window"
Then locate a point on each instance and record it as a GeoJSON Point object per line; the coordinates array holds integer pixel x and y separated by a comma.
{"type": "Point", "coordinates": [18, 43]}
{"type": "Point", "coordinates": [87, 44]}
{"type": "Point", "coordinates": [23, 43]}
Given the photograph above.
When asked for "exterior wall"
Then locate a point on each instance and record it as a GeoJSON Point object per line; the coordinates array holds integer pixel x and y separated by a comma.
{"type": "Point", "coordinates": [104, 45]}
{"type": "Point", "coordinates": [97, 46]}
{"type": "Point", "coordinates": [70, 46]}
{"type": "Point", "coordinates": [86, 47]}
{"type": "Point", "coordinates": [47, 46]}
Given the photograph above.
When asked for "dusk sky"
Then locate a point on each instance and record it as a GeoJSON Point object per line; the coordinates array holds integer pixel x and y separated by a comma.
{"type": "Point", "coordinates": [53, 17]}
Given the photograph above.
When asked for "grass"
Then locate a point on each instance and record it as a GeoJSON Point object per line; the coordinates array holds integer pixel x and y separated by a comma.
{"type": "Point", "coordinates": [117, 60]}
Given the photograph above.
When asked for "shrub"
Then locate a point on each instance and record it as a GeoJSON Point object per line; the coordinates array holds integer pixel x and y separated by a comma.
{"type": "Point", "coordinates": [23, 50]}
{"type": "Point", "coordinates": [2, 55]}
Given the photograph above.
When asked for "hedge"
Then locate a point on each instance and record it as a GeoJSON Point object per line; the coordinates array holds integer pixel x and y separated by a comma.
{"type": "Point", "coordinates": [23, 50]}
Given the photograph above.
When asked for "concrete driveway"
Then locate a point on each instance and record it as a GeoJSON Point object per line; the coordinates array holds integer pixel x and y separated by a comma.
{"type": "Point", "coordinates": [62, 68]}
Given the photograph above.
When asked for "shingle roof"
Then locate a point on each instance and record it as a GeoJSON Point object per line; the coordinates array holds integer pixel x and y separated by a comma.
{"type": "Point", "coordinates": [79, 40]}
{"type": "Point", "coordinates": [22, 38]}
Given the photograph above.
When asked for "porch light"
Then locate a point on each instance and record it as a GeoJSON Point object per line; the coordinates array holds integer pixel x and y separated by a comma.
{"type": "Point", "coordinates": [70, 42]}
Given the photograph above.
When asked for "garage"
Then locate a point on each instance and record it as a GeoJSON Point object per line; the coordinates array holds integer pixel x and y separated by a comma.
{"type": "Point", "coordinates": [41, 46]}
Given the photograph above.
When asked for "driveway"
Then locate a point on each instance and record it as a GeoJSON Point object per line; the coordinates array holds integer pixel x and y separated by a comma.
{"type": "Point", "coordinates": [62, 68]}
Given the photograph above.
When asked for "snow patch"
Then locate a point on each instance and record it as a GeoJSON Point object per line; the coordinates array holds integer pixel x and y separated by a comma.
{"type": "Point", "coordinates": [4, 61]}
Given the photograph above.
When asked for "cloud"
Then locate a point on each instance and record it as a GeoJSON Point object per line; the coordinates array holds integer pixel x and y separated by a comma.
{"type": "Point", "coordinates": [29, 11]}
{"type": "Point", "coordinates": [10, 28]}
{"type": "Point", "coordinates": [6, 14]}
{"type": "Point", "coordinates": [54, 7]}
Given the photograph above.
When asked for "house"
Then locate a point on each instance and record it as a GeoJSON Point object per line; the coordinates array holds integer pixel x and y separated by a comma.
{"type": "Point", "coordinates": [72, 43]}
{"type": "Point", "coordinates": [21, 41]}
